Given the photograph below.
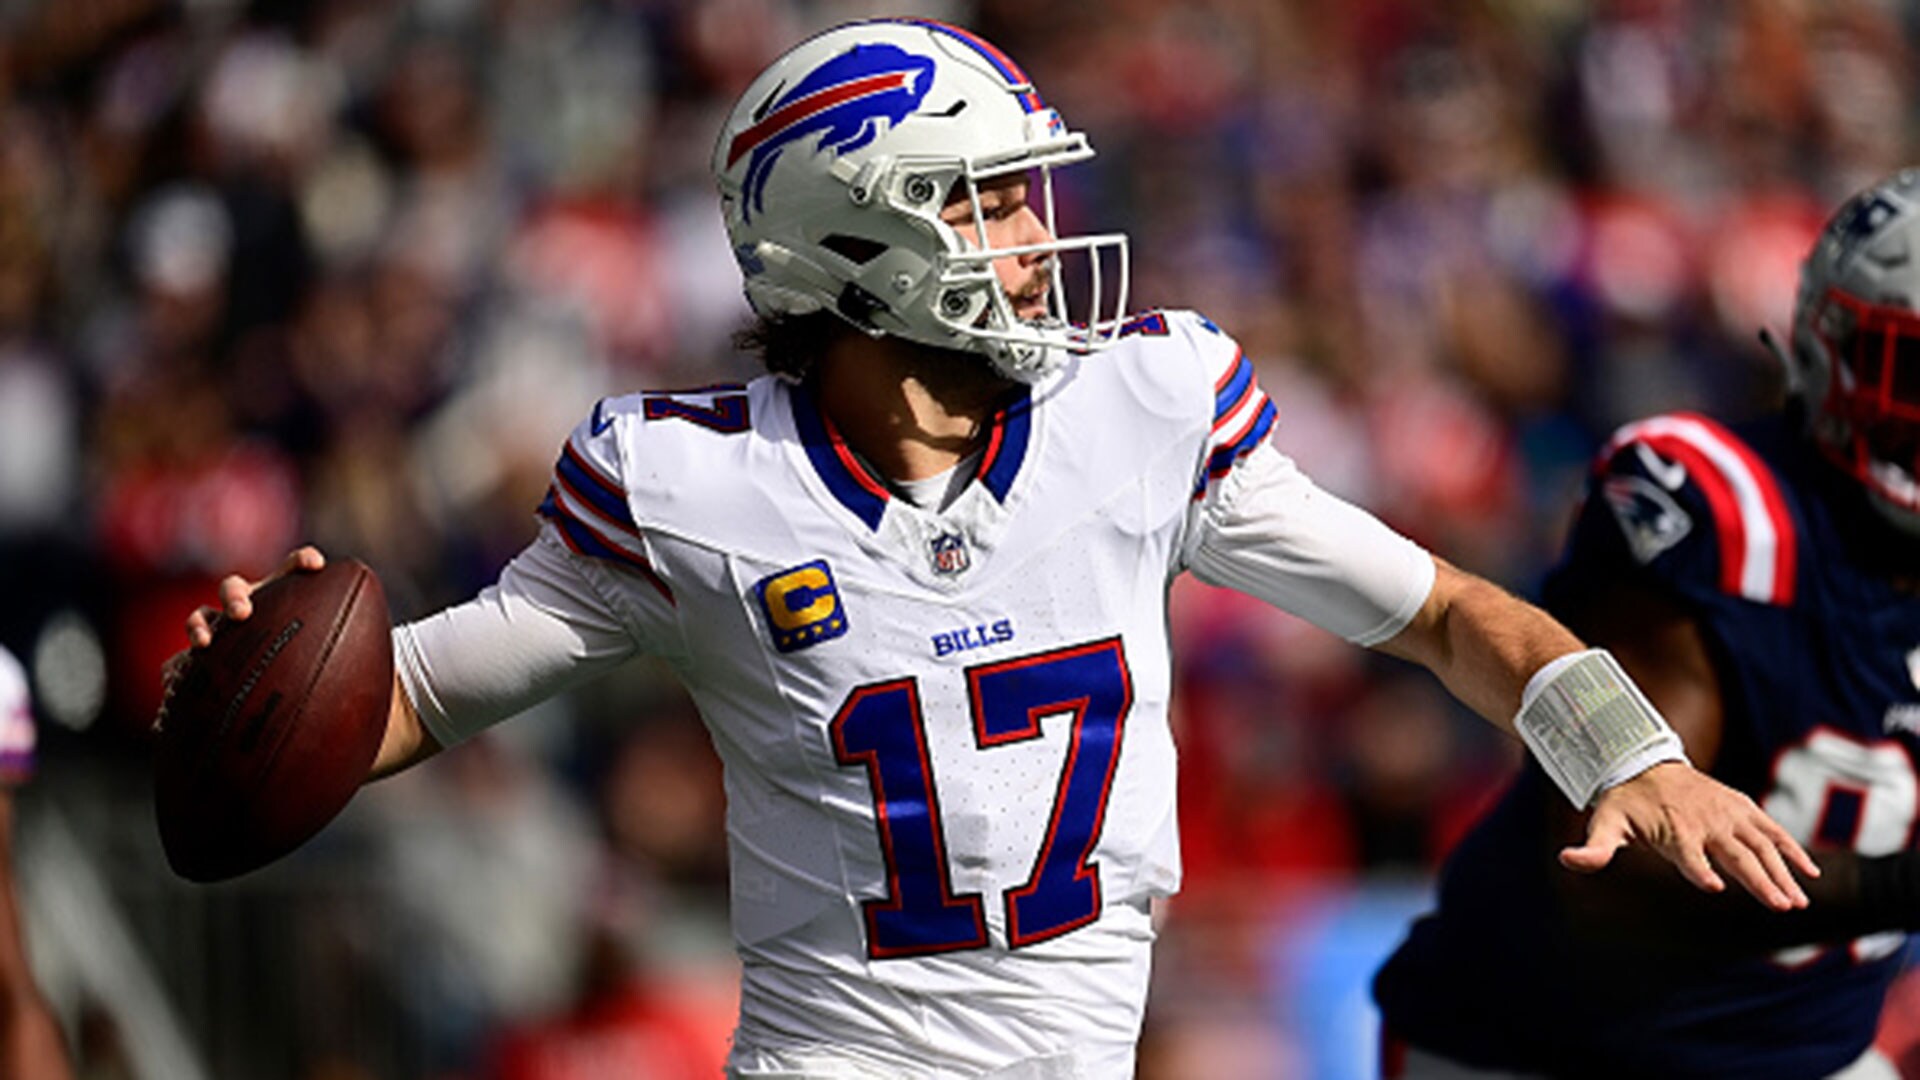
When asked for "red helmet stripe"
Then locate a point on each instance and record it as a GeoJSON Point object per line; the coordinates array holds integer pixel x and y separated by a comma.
{"type": "Point", "coordinates": [813, 104]}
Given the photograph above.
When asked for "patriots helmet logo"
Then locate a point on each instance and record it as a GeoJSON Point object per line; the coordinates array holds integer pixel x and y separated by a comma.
{"type": "Point", "coordinates": [844, 101]}
{"type": "Point", "coordinates": [1649, 518]}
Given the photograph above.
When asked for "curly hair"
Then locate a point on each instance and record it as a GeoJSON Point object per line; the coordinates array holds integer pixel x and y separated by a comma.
{"type": "Point", "coordinates": [790, 345]}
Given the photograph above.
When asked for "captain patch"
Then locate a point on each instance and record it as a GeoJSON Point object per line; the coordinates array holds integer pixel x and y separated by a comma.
{"type": "Point", "coordinates": [802, 605]}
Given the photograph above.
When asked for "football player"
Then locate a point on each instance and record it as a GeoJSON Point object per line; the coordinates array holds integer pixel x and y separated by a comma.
{"type": "Point", "coordinates": [32, 1046]}
{"type": "Point", "coordinates": [916, 581]}
{"type": "Point", "coordinates": [1762, 583]}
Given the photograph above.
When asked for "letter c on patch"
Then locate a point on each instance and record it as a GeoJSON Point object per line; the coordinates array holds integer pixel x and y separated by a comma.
{"type": "Point", "coordinates": [801, 598]}
{"type": "Point", "coordinates": [803, 606]}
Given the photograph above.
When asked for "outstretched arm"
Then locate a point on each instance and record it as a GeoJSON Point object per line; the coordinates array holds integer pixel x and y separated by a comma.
{"type": "Point", "coordinates": [1485, 645]}
{"type": "Point", "coordinates": [1270, 532]}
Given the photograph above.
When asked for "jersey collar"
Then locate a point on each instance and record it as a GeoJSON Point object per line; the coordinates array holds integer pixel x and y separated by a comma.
{"type": "Point", "coordinates": [855, 485]}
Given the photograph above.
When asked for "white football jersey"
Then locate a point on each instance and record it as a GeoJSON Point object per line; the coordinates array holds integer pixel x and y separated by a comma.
{"type": "Point", "coordinates": [949, 772]}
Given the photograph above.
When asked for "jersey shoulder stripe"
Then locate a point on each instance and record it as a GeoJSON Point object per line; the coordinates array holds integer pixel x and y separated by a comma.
{"type": "Point", "coordinates": [1241, 415]}
{"type": "Point", "coordinates": [584, 539]}
{"type": "Point", "coordinates": [1757, 537]}
{"type": "Point", "coordinates": [592, 489]}
{"type": "Point", "coordinates": [1233, 389]}
{"type": "Point", "coordinates": [1228, 452]}
{"type": "Point", "coordinates": [587, 502]}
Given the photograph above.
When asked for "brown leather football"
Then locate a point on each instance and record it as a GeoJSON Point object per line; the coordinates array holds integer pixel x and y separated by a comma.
{"type": "Point", "coordinates": [273, 726]}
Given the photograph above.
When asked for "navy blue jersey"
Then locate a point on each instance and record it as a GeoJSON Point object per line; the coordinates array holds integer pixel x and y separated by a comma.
{"type": "Point", "coordinates": [1792, 578]}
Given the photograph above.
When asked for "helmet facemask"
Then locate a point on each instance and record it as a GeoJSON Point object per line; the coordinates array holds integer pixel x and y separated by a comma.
{"type": "Point", "coordinates": [972, 301]}
{"type": "Point", "coordinates": [1854, 362]}
{"type": "Point", "coordinates": [1868, 417]}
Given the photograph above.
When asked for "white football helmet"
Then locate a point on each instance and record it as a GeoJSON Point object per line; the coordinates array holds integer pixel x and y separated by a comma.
{"type": "Point", "coordinates": [836, 162]}
{"type": "Point", "coordinates": [1855, 360]}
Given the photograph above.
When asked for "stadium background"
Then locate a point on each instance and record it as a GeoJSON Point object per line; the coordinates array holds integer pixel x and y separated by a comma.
{"type": "Point", "coordinates": [347, 271]}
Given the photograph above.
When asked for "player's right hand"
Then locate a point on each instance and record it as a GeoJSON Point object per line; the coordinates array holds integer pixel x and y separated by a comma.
{"type": "Point", "coordinates": [236, 595]}
{"type": "Point", "coordinates": [236, 603]}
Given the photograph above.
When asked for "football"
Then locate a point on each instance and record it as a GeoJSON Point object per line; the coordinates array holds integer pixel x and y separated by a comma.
{"type": "Point", "coordinates": [273, 725]}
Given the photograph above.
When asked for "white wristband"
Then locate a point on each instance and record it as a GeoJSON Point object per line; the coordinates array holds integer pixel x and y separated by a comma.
{"type": "Point", "coordinates": [1590, 727]}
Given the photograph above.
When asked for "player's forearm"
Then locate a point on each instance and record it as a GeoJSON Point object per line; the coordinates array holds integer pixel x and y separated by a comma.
{"type": "Point", "coordinates": [406, 742]}
{"type": "Point", "coordinates": [1481, 641]}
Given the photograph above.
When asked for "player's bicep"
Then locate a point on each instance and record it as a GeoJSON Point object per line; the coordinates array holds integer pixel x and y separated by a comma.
{"type": "Point", "coordinates": [545, 626]}
{"type": "Point", "coordinates": [1272, 533]}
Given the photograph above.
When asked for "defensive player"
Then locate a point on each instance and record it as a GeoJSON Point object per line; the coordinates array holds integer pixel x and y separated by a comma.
{"type": "Point", "coordinates": [32, 1046]}
{"type": "Point", "coordinates": [1762, 583]}
{"type": "Point", "coordinates": [916, 582]}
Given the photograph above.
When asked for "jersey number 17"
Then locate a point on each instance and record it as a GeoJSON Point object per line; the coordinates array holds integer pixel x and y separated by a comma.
{"type": "Point", "coordinates": [881, 727]}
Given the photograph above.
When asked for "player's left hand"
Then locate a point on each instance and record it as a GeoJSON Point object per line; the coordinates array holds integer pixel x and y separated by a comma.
{"type": "Point", "coordinates": [1698, 824]}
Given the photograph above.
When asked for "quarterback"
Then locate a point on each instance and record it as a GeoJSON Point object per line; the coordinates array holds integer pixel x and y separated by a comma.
{"type": "Point", "coordinates": [915, 579]}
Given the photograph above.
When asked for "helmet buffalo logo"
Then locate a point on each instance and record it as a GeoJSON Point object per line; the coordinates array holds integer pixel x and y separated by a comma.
{"type": "Point", "coordinates": [845, 100]}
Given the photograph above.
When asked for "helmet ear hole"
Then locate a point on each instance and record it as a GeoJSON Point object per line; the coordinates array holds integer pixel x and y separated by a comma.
{"type": "Point", "coordinates": [855, 249]}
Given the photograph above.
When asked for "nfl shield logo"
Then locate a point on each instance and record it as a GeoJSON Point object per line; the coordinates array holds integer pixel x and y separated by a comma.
{"type": "Point", "coordinates": [949, 554]}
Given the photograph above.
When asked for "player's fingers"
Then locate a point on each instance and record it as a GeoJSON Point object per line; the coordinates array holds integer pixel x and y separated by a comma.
{"type": "Point", "coordinates": [1789, 848]}
{"type": "Point", "coordinates": [1694, 865]}
{"type": "Point", "coordinates": [235, 596]}
{"type": "Point", "coordinates": [306, 557]}
{"type": "Point", "coordinates": [1748, 868]}
{"type": "Point", "coordinates": [200, 626]}
{"type": "Point", "coordinates": [1606, 834]}
{"type": "Point", "coordinates": [1774, 863]}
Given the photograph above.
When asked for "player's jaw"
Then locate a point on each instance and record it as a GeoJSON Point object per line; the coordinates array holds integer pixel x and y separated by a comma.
{"type": "Point", "coordinates": [1027, 291]}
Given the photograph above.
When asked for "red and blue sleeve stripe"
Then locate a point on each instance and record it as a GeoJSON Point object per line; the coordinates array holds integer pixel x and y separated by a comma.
{"type": "Point", "coordinates": [1222, 460]}
{"type": "Point", "coordinates": [1232, 389]}
{"type": "Point", "coordinates": [590, 513]}
{"type": "Point", "coordinates": [582, 538]}
{"type": "Point", "coordinates": [590, 486]}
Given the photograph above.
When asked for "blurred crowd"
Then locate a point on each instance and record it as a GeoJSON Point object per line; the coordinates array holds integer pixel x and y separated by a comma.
{"type": "Point", "coordinates": [347, 271]}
